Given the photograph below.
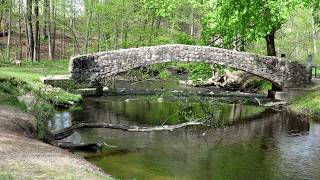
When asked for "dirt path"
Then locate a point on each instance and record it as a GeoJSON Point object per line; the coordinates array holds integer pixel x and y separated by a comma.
{"type": "Point", "coordinates": [23, 157]}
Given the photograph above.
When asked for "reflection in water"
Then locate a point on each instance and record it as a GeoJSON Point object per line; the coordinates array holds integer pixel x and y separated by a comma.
{"type": "Point", "coordinates": [151, 111]}
{"type": "Point", "coordinates": [275, 146]}
{"type": "Point", "coordinates": [61, 120]}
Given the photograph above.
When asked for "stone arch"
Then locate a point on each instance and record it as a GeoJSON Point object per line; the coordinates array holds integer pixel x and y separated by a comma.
{"type": "Point", "coordinates": [93, 68]}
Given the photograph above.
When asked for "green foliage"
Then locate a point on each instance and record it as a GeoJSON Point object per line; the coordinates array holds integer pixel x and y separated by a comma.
{"type": "Point", "coordinates": [155, 69]}
{"type": "Point", "coordinates": [244, 21]}
{"type": "Point", "coordinates": [210, 110]}
{"type": "Point", "coordinates": [32, 71]}
{"type": "Point", "coordinates": [42, 112]}
{"type": "Point", "coordinates": [220, 69]}
{"type": "Point", "coordinates": [308, 104]}
{"type": "Point", "coordinates": [29, 75]}
{"type": "Point", "coordinates": [259, 85]}
{"type": "Point", "coordinates": [59, 97]}
{"type": "Point", "coordinates": [161, 8]}
{"type": "Point", "coordinates": [16, 81]}
{"type": "Point", "coordinates": [164, 75]}
{"type": "Point", "coordinates": [10, 89]}
{"type": "Point", "coordinates": [201, 71]}
{"type": "Point", "coordinates": [186, 39]}
{"type": "Point", "coordinates": [11, 100]}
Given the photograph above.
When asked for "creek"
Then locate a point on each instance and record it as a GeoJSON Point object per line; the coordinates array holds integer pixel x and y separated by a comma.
{"type": "Point", "coordinates": [243, 142]}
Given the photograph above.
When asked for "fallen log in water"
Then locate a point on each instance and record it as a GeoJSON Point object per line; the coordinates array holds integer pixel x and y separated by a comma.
{"type": "Point", "coordinates": [83, 146]}
{"type": "Point", "coordinates": [63, 133]}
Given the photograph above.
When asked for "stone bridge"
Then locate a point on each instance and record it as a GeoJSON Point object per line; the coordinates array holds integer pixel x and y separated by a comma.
{"type": "Point", "coordinates": [95, 68]}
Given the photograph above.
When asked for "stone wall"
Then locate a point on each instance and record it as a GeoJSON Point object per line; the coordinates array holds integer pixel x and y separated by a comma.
{"type": "Point", "coordinates": [95, 68]}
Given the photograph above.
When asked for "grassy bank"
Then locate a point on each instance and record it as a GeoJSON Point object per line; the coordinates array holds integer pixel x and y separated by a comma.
{"type": "Point", "coordinates": [20, 86]}
{"type": "Point", "coordinates": [30, 73]}
{"type": "Point", "coordinates": [308, 104]}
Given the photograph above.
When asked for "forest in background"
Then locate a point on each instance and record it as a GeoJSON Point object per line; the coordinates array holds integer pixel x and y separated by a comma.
{"type": "Point", "coordinates": [57, 29]}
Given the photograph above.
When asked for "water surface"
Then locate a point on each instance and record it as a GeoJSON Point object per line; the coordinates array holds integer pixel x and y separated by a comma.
{"type": "Point", "coordinates": [259, 145]}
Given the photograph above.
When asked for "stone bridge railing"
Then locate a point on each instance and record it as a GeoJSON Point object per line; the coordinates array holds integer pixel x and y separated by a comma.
{"type": "Point", "coordinates": [95, 68]}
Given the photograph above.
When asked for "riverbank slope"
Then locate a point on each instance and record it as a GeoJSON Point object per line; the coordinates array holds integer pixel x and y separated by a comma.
{"type": "Point", "coordinates": [24, 157]}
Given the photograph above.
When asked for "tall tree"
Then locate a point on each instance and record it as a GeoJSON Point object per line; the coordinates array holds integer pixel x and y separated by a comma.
{"type": "Point", "coordinates": [10, 7]}
{"type": "Point", "coordinates": [45, 7]}
{"type": "Point", "coordinates": [20, 29]}
{"type": "Point", "coordinates": [89, 7]}
{"type": "Point", "coordinates": [314, 5]}
{"type": "Point", "coordinates": [29, 29]}
{"type": "Point", "coordinates": [246, 21]}
{"type": "Point", "coordinates": [49, 30]}
{"type": "Point", "coordinates": [36, 51]}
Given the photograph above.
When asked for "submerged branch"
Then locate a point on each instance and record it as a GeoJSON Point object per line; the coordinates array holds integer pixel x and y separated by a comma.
{"type": "Point", "coordinates": [83, 146]}
{"type": "Point", "coordinates": [63, 133]}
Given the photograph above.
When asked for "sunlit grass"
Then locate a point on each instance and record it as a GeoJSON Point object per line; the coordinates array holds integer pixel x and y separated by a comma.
{"type": "Point", "coordinates": [308, 103]}
{"type": "Point", "coordinates": [32, 71]}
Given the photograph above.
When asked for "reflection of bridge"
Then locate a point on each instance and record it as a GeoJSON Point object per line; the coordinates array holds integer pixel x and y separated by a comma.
{"type": "Point", "coordinates": [94, 68]}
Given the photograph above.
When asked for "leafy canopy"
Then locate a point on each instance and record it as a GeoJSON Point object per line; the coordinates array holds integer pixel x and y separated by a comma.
{"type": "Point", "coordinates": [245, 19]}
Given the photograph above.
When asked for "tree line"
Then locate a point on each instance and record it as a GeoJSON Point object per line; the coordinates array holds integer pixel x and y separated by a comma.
{"type": "Point", "coordinates": [56, 29]}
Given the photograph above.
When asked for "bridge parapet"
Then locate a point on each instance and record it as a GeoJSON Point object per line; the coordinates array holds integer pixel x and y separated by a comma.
{"type": "Point", "coordinates": [94, 68]}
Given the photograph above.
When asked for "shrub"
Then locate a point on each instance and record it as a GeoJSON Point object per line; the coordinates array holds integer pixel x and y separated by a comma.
{"type": "Point", "coordinates": [164, 75]}
{"type": "Point", "coordinates": [201, 71]}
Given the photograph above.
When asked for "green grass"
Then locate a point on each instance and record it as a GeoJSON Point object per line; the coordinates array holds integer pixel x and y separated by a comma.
{"type": "Point", "coordinates": [10, 89]}
{"type": "Point", "coordinates": [17, 81]}
{"type": "Point", "coordinates": [32, 71]}
{"type": "Point", "coordinates": [59, 96]}
{"type": "Point", "coordinates": [307, 104]}
{"type": "Point", "coordinates": [260, 85]}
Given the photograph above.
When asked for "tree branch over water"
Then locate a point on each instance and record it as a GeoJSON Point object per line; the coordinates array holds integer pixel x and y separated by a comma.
{"type": "Point", "coordinates": [63, 133]}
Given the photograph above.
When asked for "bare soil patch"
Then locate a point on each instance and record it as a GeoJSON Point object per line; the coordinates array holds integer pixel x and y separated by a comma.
{"type": "Point", "coordinates": [24, 157]}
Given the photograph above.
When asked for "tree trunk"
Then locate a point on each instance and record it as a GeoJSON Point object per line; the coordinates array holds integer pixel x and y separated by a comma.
{"type": "Point", "coordinates": [314, 38]}
{"type": "Point", "coordinates": [53, 20]}
{"type": "Point", "coordinates": [30, 29]}
{"type": "Point", "coordinates": [9, 29]}
{"type": "Point", "coordinates": [192, 27]}
{"type": "Point", "coordinates": [125, 36]}
{"type": "Point", "coordinates": [27, 36]}
{"type": "Point", "coordinates": [36, 51]}
{"type": "Point", "coordinates": [152, 29]}
{"type": "Point", "coordinates": [88, 31]}
{"type": "Point", "coordinates": [99, 38]}
{"type": "Point", "coordinates": [116, 36]}
{"type": "Point", "coordinates": [45, 14]}
{"type": "Point", "coordinates": [271, 49]}
{"type": "Point", "coordinates": [20, 31]}
{"type": "Point", "coordinates": [141, 35]}
{"type": "Point", "coordinates": [315, 25]}
{"type": "Point", "coordinates": [49, 32]}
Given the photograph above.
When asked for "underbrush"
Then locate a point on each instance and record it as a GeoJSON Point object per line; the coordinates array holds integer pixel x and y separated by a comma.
{"type": "Point", "coordinates": [258, 85]}
{"type": "Point", "coordinates": [170, 70]}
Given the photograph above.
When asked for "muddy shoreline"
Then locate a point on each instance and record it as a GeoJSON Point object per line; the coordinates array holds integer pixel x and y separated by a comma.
{"type": "Point", "coordinates": [24, 157]}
